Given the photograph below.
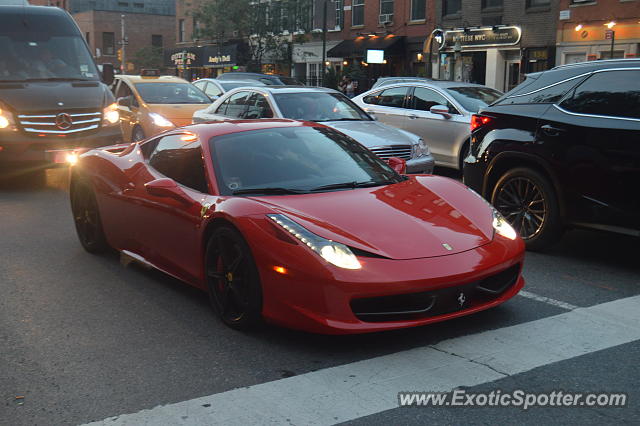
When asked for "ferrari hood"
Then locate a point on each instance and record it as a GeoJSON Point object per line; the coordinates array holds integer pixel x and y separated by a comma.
{"type": "Point", "coordinates": [421, 217]}
{"type": "Point", "coordinates": [371, 133]}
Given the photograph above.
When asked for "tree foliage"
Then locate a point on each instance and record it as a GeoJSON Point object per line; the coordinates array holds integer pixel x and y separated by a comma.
{"type": "Point", "coordinates": [148, 57]}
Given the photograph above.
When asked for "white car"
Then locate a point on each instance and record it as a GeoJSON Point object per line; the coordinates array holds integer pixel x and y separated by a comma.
{"type": "Point", "coordinates": [438, 111]}
{"type": "Point", "coordinates": [327, 106]}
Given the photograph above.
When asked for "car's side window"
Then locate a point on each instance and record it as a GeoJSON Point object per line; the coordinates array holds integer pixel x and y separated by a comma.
{"type": "Point", "coordinates": [610, 93]}
{"type": "Point", "coordinates": [180, 160]}
{"type": "Point", "coordinates": [423, 99]}
{"type": "Point", "coordinates": [393, 97]}
{"type": "Point", "coordinates": [237, 105]}
{"type": "Point", "coordinates": [200, 85]}
{"type": "Point", "coordinates": [258, 107]}
{"type": "Point", "coordinates": [212, 90]}
{"type": "Point", "coordinates": [123, 90]}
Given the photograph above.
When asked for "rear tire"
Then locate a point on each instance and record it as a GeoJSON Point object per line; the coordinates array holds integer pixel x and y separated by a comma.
{"type": "Point", "coordinates": [464, 152]}
{"type": "Point", "coordinates": [233, 282]}
{"type": "Point", "coordinates": [86, 216]}
{"type": "Point", "coordinates": [528, 200]}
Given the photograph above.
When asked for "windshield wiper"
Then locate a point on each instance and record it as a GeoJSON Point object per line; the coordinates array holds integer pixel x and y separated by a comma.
{"type": "Point", "coordinates": [274, 190]}
{"type": "Point", "coordinates": [353, 184]}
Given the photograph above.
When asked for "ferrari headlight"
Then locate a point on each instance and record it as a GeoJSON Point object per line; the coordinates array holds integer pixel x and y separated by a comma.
{"type": "Point", "coordinates": [159, 120]}
{"type": "Point", "coordinates": [503, 227]}
{"type": "Point", "coordinates": [110, 115]}
{"type": "Point", "coordinates": [335, 253]}
{"type": "Point", "coordinates": [6, 120]}
{"type": "Point", "coordinates": [421, 149]}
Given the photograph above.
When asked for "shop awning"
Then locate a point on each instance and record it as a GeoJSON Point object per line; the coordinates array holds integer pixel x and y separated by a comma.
{"type": "Point", "coordinates": [358, 48]}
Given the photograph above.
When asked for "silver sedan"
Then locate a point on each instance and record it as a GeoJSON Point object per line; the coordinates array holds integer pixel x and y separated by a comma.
{"type": "Point", "coordinates": [327, 106]}
{"type": "Point", "coordinates": [438, 111]}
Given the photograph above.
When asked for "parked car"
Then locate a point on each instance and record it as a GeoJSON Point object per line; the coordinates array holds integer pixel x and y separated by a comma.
{"type": "Point", "coordinates": [562, 150]}
{"type": "Point", "coordinates": [215, 88]}
{"type": "Point", "coordinates": [437, 111]}
{"type": "Point", "coordinates": [149, 103]}
{"type": "Point", "coordinates": [328, 106]}
{"type": "Point", "coordinates": [297, 224]}
{"type": "Point", "coordinates": [268, 79]}
{"type": "Point", "coordinates": [385, 81]}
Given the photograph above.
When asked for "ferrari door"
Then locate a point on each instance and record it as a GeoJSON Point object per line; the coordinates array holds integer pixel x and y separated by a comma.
{"type": "Point", "coordinates": [170, 193]}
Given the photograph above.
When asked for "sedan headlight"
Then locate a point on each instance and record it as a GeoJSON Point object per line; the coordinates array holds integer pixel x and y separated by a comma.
{"type": "Point", "coordinates": [159, 120]}
{"type": "Point", "coordinates": [335, 253]}
{"type": "Point", "coordinates": [110, 115]}
{"type": "Point", "coordinates": [6, 120]}
{"type": "Point", "coordinates": [421, 149]}
{"type": "Point", "coordinates": [502, 227]}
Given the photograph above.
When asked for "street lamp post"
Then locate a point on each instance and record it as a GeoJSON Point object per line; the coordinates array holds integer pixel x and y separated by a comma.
{"type": "Point", "coordinates": [324, 41]}
{"type": "Point", "coordinates": [123, 42]}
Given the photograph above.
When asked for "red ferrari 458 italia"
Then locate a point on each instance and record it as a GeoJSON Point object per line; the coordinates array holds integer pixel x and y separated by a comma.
{"type": "Point", "coordinates": [297, 224]}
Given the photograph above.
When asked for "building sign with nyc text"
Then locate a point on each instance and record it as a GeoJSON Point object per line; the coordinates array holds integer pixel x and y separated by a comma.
{"type": "Point", "coordinates": [482, 37]}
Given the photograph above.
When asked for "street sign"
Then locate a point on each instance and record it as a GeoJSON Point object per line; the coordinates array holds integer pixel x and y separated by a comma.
{"type": "Point", "coordinates": [608, 34]}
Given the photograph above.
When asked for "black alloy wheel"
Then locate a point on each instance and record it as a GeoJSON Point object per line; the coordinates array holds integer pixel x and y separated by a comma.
{"type": "Point", "coordinates": [86, 216]}
{"type": "Point", "coordinates": [528, 201]}
{"type": "Point", "coordinates": [138, 134]}
{"type": "Point", "coordinates": [234, 285]}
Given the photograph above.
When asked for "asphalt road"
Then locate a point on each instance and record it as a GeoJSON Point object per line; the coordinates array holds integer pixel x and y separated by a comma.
{"type": "Point", "coordinates": [83, 338]}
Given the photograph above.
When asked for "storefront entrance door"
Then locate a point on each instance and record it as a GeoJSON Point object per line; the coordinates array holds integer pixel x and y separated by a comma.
{"type": "Point", "coordinates": [512, 74]}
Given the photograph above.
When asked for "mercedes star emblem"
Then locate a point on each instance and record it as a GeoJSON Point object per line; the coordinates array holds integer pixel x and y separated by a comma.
{"type": "Point", "coordinates": [63, 121]}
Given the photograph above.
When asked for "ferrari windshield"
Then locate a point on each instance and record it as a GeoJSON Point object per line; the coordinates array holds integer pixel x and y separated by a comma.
{"type": "Point", "coordinates": [171, 93]}
{"type": "Point", "coordinates": [318, 106]}
{"type": "Point", "coordinates": [294, 160]}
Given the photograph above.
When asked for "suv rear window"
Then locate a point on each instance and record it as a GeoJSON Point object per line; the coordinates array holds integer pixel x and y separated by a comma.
{"type": "Point", "coordinates": [550, 93]}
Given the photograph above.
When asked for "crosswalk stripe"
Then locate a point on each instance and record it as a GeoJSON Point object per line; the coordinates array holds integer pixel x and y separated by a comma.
{"type": "Point", "coordinates": [547, 300]}
{"type": "Point", "coordinates": [371, 386]}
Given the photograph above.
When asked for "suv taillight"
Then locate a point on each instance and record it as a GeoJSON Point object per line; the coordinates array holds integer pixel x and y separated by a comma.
{"type": "Point", "coordinates": [478, 121]}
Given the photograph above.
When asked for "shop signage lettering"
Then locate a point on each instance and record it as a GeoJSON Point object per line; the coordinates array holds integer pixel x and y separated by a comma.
{"type": "Point", "coordinates": [481, 37]}
{"type": "Point", "coordinates": [183, 58]}
{"type": "Point", "coordinates": [219, 59]}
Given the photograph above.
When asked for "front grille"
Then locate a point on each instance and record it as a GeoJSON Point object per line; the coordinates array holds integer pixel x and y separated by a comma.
{"type": "Point", "coordinates": [400, 151]}
{"type": "Point", "coordinates": [45, 123]}
{"type": "Point", "coordinates": [415, 306]}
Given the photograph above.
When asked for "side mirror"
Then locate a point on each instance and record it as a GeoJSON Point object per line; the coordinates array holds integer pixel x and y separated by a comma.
{"type": "Point", "coordinates": [107, 74]}
{"type": "Point", "coordinates": [397, 164]}
{"type": "Point", "coordinates": [166, 187]}
{"type": "Point", "coordinates": [125, 101]}
{"type": "Point", "coordinates": [441, 110]}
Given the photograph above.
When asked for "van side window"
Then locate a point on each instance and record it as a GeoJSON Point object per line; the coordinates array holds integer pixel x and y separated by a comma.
{"type": "Point", "coordinates": [609, 93]}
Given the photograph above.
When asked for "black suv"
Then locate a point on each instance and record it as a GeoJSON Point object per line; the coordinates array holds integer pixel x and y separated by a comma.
{"type": "Point", "coordinates": [562, 150]}
{"type": "Point", "coordinates": [268, 79]}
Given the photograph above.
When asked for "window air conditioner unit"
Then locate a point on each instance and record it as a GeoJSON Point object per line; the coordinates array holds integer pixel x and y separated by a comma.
{"type": "Point", "coordinates": [385, 18]}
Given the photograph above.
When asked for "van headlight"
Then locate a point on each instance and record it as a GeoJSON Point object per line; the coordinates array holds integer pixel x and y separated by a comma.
{"type": "Point", "coordinates": [159, 120]}
{"type": "Point", "coordinates": [421, 149]}
{"type": "Point", "coordinates": [6, 120]}
{"type": "Point", "coordinates": [110, 115]}
{"type": "Point", "coordinates": [335, 253]}
{"type": "Point", "coordinates": [502, 227]}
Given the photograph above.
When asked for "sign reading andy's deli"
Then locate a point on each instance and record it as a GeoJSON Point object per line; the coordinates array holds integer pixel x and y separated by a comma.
{"type": "Point", "coordinates": [482, 37]}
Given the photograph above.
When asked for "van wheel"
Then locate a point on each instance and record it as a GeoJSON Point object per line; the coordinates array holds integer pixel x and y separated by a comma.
{"type": "Point", "coordinates": [529, 202]}
{"type": "Point", "coordinates": [138, 134]}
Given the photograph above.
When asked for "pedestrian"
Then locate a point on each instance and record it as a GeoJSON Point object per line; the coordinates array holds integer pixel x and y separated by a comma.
{"type": "Point", "coordinates": [350, 89]}
{"type": "Point", "coordinates": [342, 86]}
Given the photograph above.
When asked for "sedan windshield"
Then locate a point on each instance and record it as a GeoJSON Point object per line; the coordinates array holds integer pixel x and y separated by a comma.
{"type": "Point", "coordinates": [318, 106]}
{"type": "Point", "coordinates": [171, 93]}
{"type": "Point", "coordinates": [293, 160]}
{"type": "Point", "coordinates": [474, 98]}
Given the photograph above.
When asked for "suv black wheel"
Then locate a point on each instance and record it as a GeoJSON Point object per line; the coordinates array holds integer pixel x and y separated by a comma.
{"type": "Point", "coordinates": [529, 202]}
{"type": "Point", "coordinates": [234, 285]}
{"type": "Point", "coordinates": [86, 216]}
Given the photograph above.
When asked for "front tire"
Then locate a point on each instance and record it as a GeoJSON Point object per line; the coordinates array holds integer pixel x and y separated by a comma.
{"type": "Point", "coordinates": [233, 282]}
{"type": "Point", "coordinates": [86, 216]}
{"type": "Point", "coordinates": [528, 200]}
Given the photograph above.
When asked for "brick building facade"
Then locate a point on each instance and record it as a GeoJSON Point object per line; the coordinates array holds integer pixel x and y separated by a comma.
{"type": "Point", "coordinates": [102, 30]}
{"type": "Point", "coordinates": [584, 33]}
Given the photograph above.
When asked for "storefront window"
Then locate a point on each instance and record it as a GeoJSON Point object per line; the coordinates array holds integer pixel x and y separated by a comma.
{"type": "Point", "coordinates": [418, 10]}
{"type": "Point", "coordinates": [357, 13]}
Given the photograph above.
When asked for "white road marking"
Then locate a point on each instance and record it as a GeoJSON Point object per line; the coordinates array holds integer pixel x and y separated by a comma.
{"type": "Point", "coordinates": [371, 386]}
{"type": "Point", "coordinates": [548, 301]}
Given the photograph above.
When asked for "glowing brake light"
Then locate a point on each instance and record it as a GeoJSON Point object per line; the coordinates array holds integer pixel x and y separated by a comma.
{"type": "Point", "coordinates": [478, 121]}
